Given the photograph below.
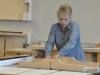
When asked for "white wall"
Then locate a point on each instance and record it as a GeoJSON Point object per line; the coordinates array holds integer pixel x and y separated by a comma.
{"type": "Point", "coordinates": [85, 12]}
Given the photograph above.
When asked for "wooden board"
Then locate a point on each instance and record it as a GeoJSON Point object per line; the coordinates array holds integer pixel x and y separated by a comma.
{"type": "Point", "coordinates": [14, 9]}
{"type": "Point", "coordinates": [27, 71]}
{"type": "Point", "coordinates": [42, 64]}
{"type": "Point", "coordinates": [12, 70]}
{"type": "Point", "coordinates": [55, 64]}
{"type": "Point", "coordinates": [63, 63]}
{"type": "Point", "coordinates": [72, 60]}
{"type": "Point", "coordinates": [24, 71]}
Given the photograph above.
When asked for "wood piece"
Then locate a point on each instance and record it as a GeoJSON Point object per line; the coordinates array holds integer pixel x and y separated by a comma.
{"type": "Point", "coordinates": [92, 50]}
{"type": "Point", "coordinates": [38, 59]}
{"type": "Point", "coordinates": [58, 65]}
{"type": "Point", "coordinates": [15, 9]}
{"type": "Point", "coordinates": [14, 33]}
{"type": "Point", "coordinates": [38, 47]}
{"type": "Point", "coordinates": [20, 51]}
{"type": "Point", "coordinates": [45, 64]}
{"type": "Point", "coordinates": [55, 64]}
{"type": "Point", "coordinates": [72, 60]}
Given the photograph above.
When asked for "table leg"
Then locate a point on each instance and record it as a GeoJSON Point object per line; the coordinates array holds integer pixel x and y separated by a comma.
{"type": "Point", "coordinates": [41, 54]}
{"type": "Point", "coordinates": [98, 58]}
{"type": "Point", "coordinates": [54, 52]}
{"type": "Point", "coordinates": [88, 56]}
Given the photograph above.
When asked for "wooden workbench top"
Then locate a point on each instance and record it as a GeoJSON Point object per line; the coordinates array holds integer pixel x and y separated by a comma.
{"type": "Point", "coordinates": [42, 47]}
{"type": "Point", "coordinates": [27, 71]}
{"type": "Point", "coordinates": [21, 50]}
{"type": "Point", "coordinates": [91, 50]}
{"type": "Point", "coordinates": [39, 47]}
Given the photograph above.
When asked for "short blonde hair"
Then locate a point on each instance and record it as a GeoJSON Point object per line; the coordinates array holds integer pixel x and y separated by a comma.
{"type": "Point", "coordinates": [64, 8]}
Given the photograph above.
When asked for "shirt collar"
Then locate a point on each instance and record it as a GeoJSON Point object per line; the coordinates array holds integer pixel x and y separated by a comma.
{"type": "Point", "coordinates": [60, 28]}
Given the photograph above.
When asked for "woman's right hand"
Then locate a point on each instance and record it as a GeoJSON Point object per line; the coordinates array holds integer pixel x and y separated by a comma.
{"type": "Point", "coordinates": [48, 57]}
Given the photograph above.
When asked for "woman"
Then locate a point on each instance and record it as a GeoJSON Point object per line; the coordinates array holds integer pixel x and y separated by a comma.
{"type": "Point", "coordinates": [65, 35]}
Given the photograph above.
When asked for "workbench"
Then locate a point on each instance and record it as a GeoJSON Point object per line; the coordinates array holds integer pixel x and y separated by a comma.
{"type": "Point", "coordinates": [88, 52]}
{"type": "Point", "coordinates": [18, 69]}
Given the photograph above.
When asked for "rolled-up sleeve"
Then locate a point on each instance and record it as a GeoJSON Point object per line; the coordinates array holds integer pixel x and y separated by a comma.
{"type": "Point", "coordinates": [50, 42]}
{"type": "Point", "coordinates": [74, 35]}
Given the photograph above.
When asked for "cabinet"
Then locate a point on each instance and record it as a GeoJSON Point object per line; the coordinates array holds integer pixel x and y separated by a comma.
{"type": "Point", "coordinates": [15, 10]}
{"type": "Point", "coordinates": [11, 39]}
{"type": "Point", "coordinates": [14, 42]}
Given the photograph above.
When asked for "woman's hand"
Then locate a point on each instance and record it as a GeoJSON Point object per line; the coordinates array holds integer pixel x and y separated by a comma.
{"type": "Point", "coordinates": [55, 57]}
{"type": "Point", "coordinates": [48, 57]}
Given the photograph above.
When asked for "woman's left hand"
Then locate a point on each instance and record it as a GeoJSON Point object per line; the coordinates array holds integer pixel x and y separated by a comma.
{"type": "Point", "coordinates": [55, 57]}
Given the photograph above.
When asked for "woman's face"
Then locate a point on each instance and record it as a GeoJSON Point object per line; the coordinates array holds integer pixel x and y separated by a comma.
{"type": "Point", "coordinates": [64, 20]}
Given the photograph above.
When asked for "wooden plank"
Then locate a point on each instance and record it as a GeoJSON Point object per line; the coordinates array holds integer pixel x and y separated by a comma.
{"type": "Point", "coordinates": [58, 65]}
{"type": "Point", "coordinates": [55, 64]}
{"type": "Point", "coordinates": [44, 64]}
{"type": "Point", "coordinates": [14, 33]}
{"type": "Point", "coordinates": [21, 50]}
{"type": "Point", "coordinates": [92, 50]}
{"type": "Point", "coordinates": [71, 60]}
{"type": "Point", "coordinates": [38, 47]}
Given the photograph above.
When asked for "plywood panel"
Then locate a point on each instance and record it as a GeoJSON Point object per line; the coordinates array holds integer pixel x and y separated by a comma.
{"type": "Point", "coordinates": [14, 9]}
{"type": "Point", "coordinates": [11, 9]}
